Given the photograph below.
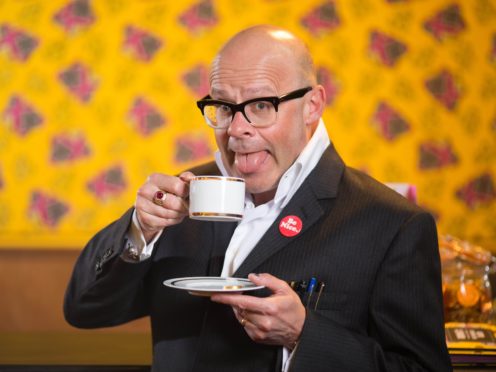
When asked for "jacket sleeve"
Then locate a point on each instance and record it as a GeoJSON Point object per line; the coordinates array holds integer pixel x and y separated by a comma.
{"type": "Point", "coordinates": [405, 319]}
{"type": "Point", "coordinates": [105, 290]}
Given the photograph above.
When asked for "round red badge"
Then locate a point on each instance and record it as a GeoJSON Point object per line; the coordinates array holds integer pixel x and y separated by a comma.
{"type": "Point", "coordinates": [290, 226]}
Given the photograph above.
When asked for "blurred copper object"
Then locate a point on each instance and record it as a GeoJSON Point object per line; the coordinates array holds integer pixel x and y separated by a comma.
{"type": "Point", "coordinates": [467, 291]}
{"type": "Point", "coordinates": [451, 247]}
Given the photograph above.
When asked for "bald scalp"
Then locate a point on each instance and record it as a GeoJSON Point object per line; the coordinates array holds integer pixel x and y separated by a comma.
{"type": "Point", "coordinates": [269, 44]}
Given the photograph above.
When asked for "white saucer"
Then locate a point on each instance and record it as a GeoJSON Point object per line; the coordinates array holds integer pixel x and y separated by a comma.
{"type": "Point", "coordinates": [208, 285]}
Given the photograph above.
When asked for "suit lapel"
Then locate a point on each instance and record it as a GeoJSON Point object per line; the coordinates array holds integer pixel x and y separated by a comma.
{"type": "Point", "coordinates": [321, 183]}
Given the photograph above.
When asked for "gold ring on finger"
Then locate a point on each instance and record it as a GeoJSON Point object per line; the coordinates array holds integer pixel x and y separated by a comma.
{"type": "Point", "coordinates": [159, 197]}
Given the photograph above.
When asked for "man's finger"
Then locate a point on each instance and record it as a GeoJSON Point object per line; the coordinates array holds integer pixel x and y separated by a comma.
{"type": "Point", "coordinates": [170, 184]}
{"type": "Point", "coordinates": [186, 176]}
{"type": "Point", "coordinates": [269, 281]}
{"type": "Point", "coordinates": [249, 303]}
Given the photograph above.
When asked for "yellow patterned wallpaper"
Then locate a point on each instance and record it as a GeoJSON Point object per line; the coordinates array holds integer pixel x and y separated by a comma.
{"type": "Point", "coordinates": [95, 95]}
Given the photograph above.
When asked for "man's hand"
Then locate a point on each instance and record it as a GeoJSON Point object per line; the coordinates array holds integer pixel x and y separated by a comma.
{"type": "Point", "coordinates": [155, 214]}
{"type": "Point", "coordinates": [275, 320]}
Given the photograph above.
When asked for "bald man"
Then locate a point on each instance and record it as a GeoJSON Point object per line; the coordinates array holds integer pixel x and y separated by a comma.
{"type": "Point", "coordinates": [373, 256]}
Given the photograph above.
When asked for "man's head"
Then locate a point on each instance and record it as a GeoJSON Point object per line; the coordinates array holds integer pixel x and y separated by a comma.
{"type": "Point", "coordinates": [265, 61]}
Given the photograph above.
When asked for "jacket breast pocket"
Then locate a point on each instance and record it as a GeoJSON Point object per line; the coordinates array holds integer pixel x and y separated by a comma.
{"type": "Point", "coordinates": [326, 301]}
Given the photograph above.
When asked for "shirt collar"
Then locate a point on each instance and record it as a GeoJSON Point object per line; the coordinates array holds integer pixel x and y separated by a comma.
{"type": "Point", "coordinates": [303, 165]}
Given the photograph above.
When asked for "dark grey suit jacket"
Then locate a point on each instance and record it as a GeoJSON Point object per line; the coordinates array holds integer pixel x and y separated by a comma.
{"type": "Point", "coordinates": [381, 308]}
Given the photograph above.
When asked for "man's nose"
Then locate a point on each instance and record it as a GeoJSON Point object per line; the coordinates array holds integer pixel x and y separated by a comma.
{"type": "Point", "coordinates": [239, 126]}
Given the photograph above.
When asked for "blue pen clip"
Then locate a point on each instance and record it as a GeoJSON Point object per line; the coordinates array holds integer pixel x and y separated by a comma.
{"type": "Point", "coordinates": [310, 289]}
{"type": "Point", "coordinates": [311, 285]}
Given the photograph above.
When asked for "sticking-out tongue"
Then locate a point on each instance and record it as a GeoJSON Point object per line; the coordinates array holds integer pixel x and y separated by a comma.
{"type": "Point", "coordinates": [250, 163]}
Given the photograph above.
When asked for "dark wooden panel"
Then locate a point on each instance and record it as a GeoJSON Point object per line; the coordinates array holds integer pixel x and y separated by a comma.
{"type": "Point", "coordinates": [32, 286]}
{"type": "Point", "coordinates": [75, 368]}
{"type": "Point", "coordinates": [76, 348]}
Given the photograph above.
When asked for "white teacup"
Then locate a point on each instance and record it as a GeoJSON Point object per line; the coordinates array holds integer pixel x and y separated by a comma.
{"type": "Point", "coordinates": [216, 198]}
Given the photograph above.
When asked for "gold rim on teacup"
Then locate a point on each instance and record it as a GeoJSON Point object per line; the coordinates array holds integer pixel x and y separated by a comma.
{"type": "Point", "coordinates": [217, 178]}
{"type": "Point", "coordinates": [213, 214]}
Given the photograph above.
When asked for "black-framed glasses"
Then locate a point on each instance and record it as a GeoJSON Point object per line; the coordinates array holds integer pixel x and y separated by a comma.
{"type": "Point", "coordinates": [259, 112]}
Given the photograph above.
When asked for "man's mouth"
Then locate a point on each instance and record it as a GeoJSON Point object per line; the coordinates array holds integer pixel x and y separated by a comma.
{"type": "Point", "coordinates": [250, 162]}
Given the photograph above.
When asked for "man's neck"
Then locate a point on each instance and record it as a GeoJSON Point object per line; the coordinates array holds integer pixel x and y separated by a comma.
{"type": "Point", "coordinates": [263, 197]}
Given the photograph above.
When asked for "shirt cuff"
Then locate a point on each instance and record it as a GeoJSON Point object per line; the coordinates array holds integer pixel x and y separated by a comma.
{"type": "Point", "coordinates": [136, 248]}
{"type": "Point", "coordinates": [287, 355]}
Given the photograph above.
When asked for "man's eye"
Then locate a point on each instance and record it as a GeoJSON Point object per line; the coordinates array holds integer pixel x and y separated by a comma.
{"type": "Point", "coordinates": [261, 106]}
{"type": "Point", "coordinates": [224, 109]}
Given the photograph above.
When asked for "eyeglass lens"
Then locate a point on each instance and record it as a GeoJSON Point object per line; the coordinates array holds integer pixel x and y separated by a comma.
{"type": "Point", "coordinates": [258, 113]}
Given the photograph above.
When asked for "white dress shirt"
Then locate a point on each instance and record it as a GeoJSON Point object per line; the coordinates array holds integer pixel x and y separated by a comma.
{"type": "Point", "coordinates": [256, 219]}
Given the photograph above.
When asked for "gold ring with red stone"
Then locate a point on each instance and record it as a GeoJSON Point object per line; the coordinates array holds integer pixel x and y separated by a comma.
{"type": "Point", "coordinates": [159, 197]}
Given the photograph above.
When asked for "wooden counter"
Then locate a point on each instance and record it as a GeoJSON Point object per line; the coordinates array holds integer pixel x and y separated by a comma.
{"type": "Point", "coordinates": [88, 351]}
{"type": "Point", "coordinates": [81, 351]}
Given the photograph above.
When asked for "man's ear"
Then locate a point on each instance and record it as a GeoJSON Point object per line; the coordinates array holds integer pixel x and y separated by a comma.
{"type": "Point", "coordinates": [315, 105]}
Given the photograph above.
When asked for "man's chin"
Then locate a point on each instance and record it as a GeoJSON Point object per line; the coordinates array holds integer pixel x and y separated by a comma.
{"type": "Point", "coordinates": [258, 184]}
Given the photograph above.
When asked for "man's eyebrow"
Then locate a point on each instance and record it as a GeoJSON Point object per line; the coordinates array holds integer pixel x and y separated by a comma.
{"type": "Point", "coordinates": [221, 95]}
{"type": "Point", "coordinates": [258, 91]}
{"type": "Point", "coordinates": [216, 91]}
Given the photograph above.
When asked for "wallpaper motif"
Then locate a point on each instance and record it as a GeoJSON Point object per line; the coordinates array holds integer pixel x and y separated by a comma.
{"type": "Point", "coordinates": [97, 95]}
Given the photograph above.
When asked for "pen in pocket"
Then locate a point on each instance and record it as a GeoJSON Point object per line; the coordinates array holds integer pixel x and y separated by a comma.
{"type": "Point", "coordinates": [310, 290]}
{"type": "Point", "coordinates": [321, 288]}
